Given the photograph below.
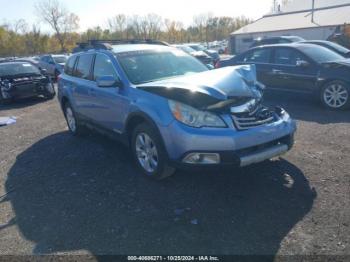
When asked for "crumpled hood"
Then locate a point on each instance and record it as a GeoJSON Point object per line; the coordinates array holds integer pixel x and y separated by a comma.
{"type": "Point", "coordinates": [236, 84]}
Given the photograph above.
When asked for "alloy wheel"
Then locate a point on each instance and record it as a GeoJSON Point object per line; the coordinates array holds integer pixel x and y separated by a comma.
{"type": "Point", "coordinates": [335, 95]}
{"type": "Point", "coordinates": [146, 152]}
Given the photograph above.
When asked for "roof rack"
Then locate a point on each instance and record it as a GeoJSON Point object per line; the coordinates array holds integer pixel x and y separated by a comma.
{"type": "Point", "coordinates": [106, 44]}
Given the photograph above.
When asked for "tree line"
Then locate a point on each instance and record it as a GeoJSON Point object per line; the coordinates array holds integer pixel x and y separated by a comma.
{"type": "Point", "coordinates": [19, 39]}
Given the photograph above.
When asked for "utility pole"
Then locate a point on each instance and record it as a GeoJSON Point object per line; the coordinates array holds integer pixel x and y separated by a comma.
{"type": "Point", "coordinates": [312, 11]}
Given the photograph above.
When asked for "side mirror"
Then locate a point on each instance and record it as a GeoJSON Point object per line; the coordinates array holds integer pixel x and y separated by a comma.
{"type": "Point", "coordinates": [302, 63]}
{"type": "Point", "coordinates": [108, 81]}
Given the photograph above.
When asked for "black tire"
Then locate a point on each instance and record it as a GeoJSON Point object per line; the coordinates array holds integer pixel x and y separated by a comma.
{"type": "Point", "coordinates": [49, 93]}
{"type": "Point", "coordinates": [326, 89]}
{"type": "Point", "coordinates": [4, 101]}
{"type": "Point", "coordinates": [57, 73]}
{"type": "Point", "coordinates": [162, 170]}
{"type": "Point", "coordinates": [68, 112]}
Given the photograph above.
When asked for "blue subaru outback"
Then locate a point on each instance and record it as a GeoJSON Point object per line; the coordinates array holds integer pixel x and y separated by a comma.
{"type": "Point", "coordinates": [170, 109]}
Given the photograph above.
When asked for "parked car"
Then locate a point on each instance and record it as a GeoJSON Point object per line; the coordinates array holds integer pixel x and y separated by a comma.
{"type": "Point", "coordinates": [22, 79]}
{"type": "Point", "coordinates": [30, 60]}
{"type": "Point", "coordinates": [53, 64]}
{"type": "Point", "coordinates": [310, 69]}
{"type": "Point", "coordinates": [341, 50]}
{"type": "Point", "coordinates": [198, 47]}
{"type": "Point", "coordinates": [200, 55]}
{"type": "Point", "coordinates": [170, 109]}
{"type": "Point", "coordinates": [276, 40]}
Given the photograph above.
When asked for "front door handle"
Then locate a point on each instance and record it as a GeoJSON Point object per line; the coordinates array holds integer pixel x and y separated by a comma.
{"type": "Point", "coordinates": [276, 72]}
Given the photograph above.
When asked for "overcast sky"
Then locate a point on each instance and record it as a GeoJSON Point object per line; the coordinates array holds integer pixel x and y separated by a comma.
{"type": "Point", "coordinates": [96, 12]}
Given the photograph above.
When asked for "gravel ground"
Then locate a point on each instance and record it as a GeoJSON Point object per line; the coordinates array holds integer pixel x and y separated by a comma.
{"type": "Point", "coordinates": [78, 195]}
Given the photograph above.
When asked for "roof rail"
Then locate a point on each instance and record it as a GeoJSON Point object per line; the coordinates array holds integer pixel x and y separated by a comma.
{"type": "Point", "coordinates": [106, 44]}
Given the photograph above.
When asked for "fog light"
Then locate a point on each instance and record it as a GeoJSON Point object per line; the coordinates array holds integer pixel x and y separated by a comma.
{"type": "Point", "coordinates": [202, 158]}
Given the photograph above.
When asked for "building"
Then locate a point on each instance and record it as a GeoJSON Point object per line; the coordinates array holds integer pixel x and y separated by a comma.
{"type": "Point", "coordinates": [309, 19]}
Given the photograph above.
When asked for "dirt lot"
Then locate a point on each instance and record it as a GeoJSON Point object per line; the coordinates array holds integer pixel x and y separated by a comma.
{"type": "Point", "coordinates": [62, 194]}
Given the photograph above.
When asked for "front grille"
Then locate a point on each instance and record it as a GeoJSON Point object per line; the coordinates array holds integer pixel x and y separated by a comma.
{"type": "Point", "coordinates": [259, 117]}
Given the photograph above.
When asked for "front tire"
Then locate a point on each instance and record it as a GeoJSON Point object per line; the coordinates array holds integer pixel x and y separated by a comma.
{"type": "Point", "coordinates": [149, 153]}
{"type": "Point", "coordinates": [49, 92]}
{"type": "Point", "coordinates": [335, 95]}
{"type": "Point", "coordinates": [4, 101]}
{"type": "Point", "coordinates": [56, 74]}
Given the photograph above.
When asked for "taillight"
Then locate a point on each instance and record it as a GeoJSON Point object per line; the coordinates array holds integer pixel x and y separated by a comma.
{"type": "Point", "coordinates": [217, 65]}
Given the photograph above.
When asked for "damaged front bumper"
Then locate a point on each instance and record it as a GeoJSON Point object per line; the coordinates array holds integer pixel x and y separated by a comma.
{"type": "Point", "coordinates": [189, 147]}
{"type": "Point", "coordinates": [10, 91]}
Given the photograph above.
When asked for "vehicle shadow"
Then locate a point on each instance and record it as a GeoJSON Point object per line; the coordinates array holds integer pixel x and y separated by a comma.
{"type": "Point", "coordinates": [83, 193]}
{"type": "Point", "coordinates": [306, 108]}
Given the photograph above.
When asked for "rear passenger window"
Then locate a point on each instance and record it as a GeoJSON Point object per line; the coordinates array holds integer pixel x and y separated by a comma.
{"type": "Point", "coordinates": [103, 67]}
{"type": "Point", "coordinates": [258, 56]}
{"type": "Point", "coordinates": [84, 66]}
{"type": "Point", "coordinates": [287, 56]}
{"type": "Point", "coordinates": [68, 69]}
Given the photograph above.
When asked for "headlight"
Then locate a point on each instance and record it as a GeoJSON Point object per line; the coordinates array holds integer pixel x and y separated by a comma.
{"type": "Point", "coordinates": [194, 117]}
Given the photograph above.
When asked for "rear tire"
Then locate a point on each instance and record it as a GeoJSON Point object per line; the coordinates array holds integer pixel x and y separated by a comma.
{"type": "Point", "coordinates": [74, 126]}
{"type": "Point", "coordinates": [149, 153]}
{"type": "Point", "coordinates": [335, 95]}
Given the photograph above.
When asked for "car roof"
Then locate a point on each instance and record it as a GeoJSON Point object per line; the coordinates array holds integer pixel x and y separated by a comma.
{"type": "Point", "coordinates": [138, 47]}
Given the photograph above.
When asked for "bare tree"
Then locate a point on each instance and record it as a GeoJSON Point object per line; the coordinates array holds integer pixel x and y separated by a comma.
{"type": "Point", "coordinates": [201, 21]}
{"type": "Point", "coordinates": [118, 24]}
{"type": "Point", "coordinates": [55, 14]}
{"type": "Point", "coordinates": [20, 26]}
{"type": "Point", "coordinates": [154, 23]}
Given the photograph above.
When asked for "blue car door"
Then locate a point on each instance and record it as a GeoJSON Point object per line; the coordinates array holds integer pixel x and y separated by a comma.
{"type": "Point", "coordinates": [109, 104]}
{"type": "Point", "coordinates": [82, 84]}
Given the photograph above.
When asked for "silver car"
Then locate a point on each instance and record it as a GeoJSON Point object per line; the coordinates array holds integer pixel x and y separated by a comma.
{"type": "Point", "coordinates": [53, 64]}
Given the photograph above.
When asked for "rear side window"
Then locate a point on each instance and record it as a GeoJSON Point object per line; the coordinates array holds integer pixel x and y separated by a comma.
{"type": "Point", "coordinates": [103, 67]}
{"type": "Point", "coordinates": [258, 56]}
{"type": "Point", "coordinates": [68, 69]}
{"type": "Point", "coordinates": [84, 66]}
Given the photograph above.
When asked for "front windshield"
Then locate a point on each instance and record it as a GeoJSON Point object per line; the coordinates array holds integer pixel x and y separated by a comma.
{"type": "Point", "coordinates": [60, 59]}
{"type": "Point", "coordinates": [152, 65]}
{"type": "Point", "coordinates": [337, 47]}
{"type": "Point", "coordinates": [17, 69]}
{"type": "Point", "coordinates": [321, 54]}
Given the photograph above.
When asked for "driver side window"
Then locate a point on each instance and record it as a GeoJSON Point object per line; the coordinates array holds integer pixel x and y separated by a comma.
{"type": "Point", "coordinates": [103, 67]}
